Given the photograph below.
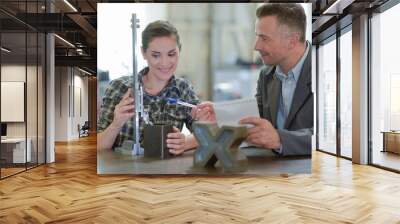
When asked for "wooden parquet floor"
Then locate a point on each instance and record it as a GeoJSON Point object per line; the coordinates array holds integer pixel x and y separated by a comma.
{"type": "Point", "coordinates": [70, 191]}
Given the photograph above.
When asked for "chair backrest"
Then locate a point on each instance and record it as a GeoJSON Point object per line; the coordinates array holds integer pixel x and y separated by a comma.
{"type": "Point", "coordinates": [86, 125]}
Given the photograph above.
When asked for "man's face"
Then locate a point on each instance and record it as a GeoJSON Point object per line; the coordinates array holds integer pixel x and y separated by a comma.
{"type": "Point", "coordinates": [271, 40]}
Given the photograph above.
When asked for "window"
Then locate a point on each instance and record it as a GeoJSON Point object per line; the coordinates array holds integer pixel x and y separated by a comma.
{"type": "Point", "coordinates": [346, 93]}
{"type": "Point", "coordinates": [327, 96]}
{"type": "Point", "coordinates": [22, 65]}
{"type": "Point", "coordinates": [385, 86]}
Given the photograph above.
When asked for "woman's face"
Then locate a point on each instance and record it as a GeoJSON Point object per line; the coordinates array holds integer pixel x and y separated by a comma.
{"type": "Point", "coordinates": [162, 57]}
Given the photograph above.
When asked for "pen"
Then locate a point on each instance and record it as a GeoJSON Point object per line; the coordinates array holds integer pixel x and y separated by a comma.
{"type": "Point", "coordinates": [177, 101]}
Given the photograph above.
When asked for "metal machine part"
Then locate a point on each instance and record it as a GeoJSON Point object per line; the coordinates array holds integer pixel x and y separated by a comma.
{"type": "Point", "coordinates": [220, 144]}
{"type": "Point", "coordinates": [155, 141]}
{"type": "Point", "coordinates": [137, 87]}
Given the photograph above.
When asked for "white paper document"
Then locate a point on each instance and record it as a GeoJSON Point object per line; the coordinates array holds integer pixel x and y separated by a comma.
{"type": "Point", "coordinates": [230, 112]}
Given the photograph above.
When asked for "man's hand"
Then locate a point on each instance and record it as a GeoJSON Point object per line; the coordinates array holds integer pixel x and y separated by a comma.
{"type": "Point", "coordinates": [204, 112]}
{"type": "Point", "coordinates": [262, 134]}
{"type": "Point", "coordinates": [124, 110]}
{"type": "Point", "coordinates": [176, 142]}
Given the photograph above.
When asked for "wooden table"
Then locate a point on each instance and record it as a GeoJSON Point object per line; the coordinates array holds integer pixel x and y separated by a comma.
{"type": "Point", "coordinates": [260, 162]}
{"type": "Point", "coordinates": [391, 141]}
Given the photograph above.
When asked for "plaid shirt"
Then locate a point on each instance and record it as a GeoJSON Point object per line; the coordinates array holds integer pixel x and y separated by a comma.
{"type": "Point", "coordinates": [160, 111]}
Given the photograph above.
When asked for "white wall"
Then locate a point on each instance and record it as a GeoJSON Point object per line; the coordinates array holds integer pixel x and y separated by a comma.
{"type": "Point", "coordinates": [33, 126]}
{"type": "Point", "coordinates": [114, 42]}
{"type": "Point", "coordinates": [14, 73]}
{"type": "Point", "coordinates": [69, 85]}
{"type": "Point", "coordinates": [80, 83]}
{"type": "Point", "coordinates": [61, 103]}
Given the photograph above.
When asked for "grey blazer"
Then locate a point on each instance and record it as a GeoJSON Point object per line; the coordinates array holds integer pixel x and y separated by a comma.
{"type": "Point", "coordinates": [298, 129]}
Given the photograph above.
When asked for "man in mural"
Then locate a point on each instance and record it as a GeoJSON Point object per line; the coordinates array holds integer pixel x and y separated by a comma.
{"type": "Point", "coordinates": [284, 96]}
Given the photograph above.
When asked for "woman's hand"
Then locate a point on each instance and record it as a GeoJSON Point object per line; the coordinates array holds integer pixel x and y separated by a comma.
{"type": "Point", "coordinates": [124, 110]}
{"type": "Point", "coordinates": [204, 112]}
{"type": "Point", "coordinates": [176, 142]}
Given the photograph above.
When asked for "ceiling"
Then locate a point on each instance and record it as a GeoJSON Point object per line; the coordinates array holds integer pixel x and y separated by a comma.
{"type": "Point", "coordinates": [76, 25]}
{"type": "Point", "coordinates": [333, 15]}
{"type": "Point", "coordinates": [76, 22]}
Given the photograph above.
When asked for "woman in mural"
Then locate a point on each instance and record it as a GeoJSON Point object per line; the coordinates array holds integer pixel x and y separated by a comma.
{"type": "Point", "coordinates": [160, 48]}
